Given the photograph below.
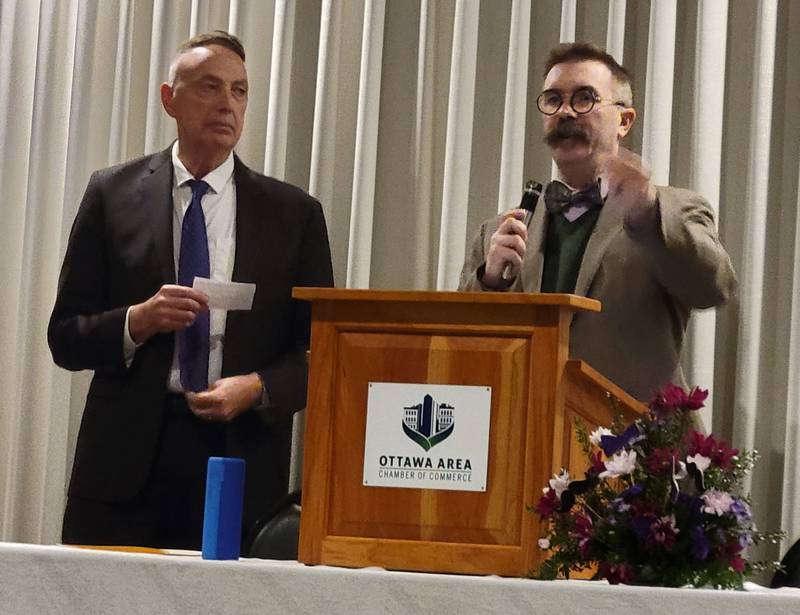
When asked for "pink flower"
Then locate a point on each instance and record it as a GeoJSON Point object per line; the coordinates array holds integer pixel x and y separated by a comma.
{"type": "Point", "coordinates": [661, 461]}
{"type": "Point", "coordinates": [597, 463]}
{"type": "Point", "coordinates": [707, 446]}
{"type": "Point", "coordinates": [671, 397]}
{"type": "Point", "coordinates": [583, 532]}
{"type": "Point", "coordinates": [696, 398]}
{"type": "Point", "coordinates": [544, 544]}
{"type": "Point", "coordinates": [663, 532]}
{"type": "Point", "coordinates": [737, 563]}
{"type": "Point", "coordinates": [717, 502]}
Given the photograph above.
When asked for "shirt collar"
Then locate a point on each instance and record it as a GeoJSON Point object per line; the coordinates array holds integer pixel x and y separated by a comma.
{"type": "Point", "coordinates": [216, 178]}
{"type": "Point", "coordinates": [603, 186]}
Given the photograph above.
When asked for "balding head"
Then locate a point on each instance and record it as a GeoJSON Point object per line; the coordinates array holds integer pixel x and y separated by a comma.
{"type": "Point", "coordinates": [207, 97]}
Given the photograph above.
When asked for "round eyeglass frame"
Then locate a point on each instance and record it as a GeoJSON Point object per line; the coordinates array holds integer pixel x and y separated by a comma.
{"type": "Point", "coordinates": [594, 97]}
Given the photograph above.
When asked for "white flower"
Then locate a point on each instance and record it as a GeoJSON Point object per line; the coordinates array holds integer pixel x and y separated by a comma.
{"type": "Point", "coordinates": [544, 544]}
{"type": "Point", "coordinates": [560, 482]}
{"type": "Point", "coordinates": [597, 435]}
{"type": "Point", "coordinates": [717, 502]}
{"type": "Point", "coordinates": [700, 461]}
{"type": "Point", "coordinates": [681, 473]}
{"type": "Point", "coordinates": [620, 464]}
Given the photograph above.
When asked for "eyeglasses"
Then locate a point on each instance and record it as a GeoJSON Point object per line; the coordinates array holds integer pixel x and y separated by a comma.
{"type": "Point", "coordinates": [583, 100]}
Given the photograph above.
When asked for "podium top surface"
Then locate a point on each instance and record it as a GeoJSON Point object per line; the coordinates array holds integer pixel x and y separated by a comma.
{"type": "Point", "coordinates": [429, 296]}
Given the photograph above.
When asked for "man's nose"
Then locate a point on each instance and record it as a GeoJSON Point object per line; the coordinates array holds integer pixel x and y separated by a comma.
{"type": "Point", "coordinates": [566, 110]}
{"type": "Point", "coordinates": [227, 99]}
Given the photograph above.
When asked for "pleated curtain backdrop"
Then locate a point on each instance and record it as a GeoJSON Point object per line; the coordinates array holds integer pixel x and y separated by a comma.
{"type": "Point", "coordinates": [411, 121]}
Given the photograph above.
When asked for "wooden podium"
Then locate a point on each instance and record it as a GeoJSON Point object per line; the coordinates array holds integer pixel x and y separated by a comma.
{"type": "Point", "coordinates": [515, 343]}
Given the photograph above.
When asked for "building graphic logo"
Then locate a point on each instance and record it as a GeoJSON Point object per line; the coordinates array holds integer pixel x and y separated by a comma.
{"type": "Point", "coordinates": [428, 423]}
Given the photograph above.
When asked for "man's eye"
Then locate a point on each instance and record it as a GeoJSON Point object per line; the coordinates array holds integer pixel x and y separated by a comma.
{"type": "Point", "coordinates": [240, 92]}
{"type": "Point", "coordinates": [584, 96]}
{"type": "Point", "coordinates": [552, 99]}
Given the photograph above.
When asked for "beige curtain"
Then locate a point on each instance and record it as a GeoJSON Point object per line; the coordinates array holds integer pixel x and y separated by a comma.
{"type": "Point", "coordinates": [411, 120]}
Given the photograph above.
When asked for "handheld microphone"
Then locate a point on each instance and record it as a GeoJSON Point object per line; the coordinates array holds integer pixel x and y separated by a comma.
{"type": "Point", "coordinates": [530, 198]}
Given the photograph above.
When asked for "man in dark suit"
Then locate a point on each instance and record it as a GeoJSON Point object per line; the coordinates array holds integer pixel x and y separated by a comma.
{"type": "Point", "coordinates": [175, 382]}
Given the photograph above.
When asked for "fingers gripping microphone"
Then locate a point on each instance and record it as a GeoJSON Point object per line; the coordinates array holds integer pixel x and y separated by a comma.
{"type": "Point", "coordinates": [530, 198]}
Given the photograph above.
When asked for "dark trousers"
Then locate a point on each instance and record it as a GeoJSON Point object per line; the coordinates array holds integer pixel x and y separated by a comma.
{"type": "Point", "coordinates": [168, 513]}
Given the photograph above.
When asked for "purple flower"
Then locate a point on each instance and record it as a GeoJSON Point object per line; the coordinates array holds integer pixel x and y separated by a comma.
{"type": "Point", "coordinates": [641, 524]}
{"type": "Point", "coordinates": [631, 492]}
{"type": "Point", "coordinates": [691, 503]}
{"type": "Point", "coordinates": [611, 444]}
{"type": "Point", "coordinates": [700, 545]}
{"type": "Point", "coordinates": [741, 511]}
{"type": "Point", "coordinates": [745, 539]}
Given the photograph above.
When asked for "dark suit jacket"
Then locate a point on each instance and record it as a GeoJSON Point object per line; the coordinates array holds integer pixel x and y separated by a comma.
{"type": "Point", "coordinates": [120, 252]}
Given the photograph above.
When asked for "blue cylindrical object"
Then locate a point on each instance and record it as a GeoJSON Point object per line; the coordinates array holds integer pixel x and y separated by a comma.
{"type": "Point", "coordinates": [222, 521]}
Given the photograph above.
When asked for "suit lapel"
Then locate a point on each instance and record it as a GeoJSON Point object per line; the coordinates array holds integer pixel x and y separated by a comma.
{"type": "Point", "coordinates": [156, 201]}
{"type": "Point", "coordinates": [530, 279]}
{"type": "Point", "coordinates": [252, 242]}
{"type": "Point", "coordinates": [248, 234]}
{"type": "Point", "coordinates": [609, 223]}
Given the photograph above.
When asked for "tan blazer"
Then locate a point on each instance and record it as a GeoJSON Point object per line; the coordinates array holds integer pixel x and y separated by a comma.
{"type": "Point", "coordinates": [648, 283]}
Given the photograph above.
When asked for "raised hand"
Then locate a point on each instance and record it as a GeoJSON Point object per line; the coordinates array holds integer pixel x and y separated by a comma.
{"type": "Point", "coordinates": [629, 187]}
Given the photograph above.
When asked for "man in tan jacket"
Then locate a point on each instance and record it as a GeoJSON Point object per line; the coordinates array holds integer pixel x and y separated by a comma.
{"type": "Point", "coordinates": [648, 254]}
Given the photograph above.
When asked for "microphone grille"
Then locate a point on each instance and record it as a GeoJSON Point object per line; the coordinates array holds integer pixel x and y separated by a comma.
{"type": "Point", "coordinates": [530, 197]}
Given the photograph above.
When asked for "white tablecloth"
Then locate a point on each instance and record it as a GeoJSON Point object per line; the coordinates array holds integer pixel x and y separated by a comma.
{"type": "Point", "coordinates": [55, 579]}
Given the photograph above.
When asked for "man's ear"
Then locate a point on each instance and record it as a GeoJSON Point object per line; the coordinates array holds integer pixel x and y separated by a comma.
{"type": "Point", "coordinates": [626, 118]}
{"type": "Point", "coordinates": [167, 98]}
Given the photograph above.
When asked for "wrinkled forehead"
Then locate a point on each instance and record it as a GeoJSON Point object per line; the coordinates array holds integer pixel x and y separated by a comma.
{"type": "Point", "coordinates": [569, 76]}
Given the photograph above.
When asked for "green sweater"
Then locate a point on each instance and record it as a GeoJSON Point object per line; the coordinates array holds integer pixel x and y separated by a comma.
{"type": "Point", "coordinates": [564, 247]}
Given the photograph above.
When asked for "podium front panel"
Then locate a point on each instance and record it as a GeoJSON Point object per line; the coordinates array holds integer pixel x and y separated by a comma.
{"type": "Point", "coordinates": [490, 517]}
{"type": "Point", "coordinates": [518, 349]}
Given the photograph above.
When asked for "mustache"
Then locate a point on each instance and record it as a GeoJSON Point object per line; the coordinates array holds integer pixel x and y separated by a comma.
{"type": "Point", "coordinates": [567, 128]}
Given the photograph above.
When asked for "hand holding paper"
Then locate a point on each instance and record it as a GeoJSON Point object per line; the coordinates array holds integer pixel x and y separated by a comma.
{"type": "Point", "coordinates": [226, 295]}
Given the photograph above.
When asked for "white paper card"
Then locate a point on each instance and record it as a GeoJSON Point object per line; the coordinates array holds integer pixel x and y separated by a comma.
{"type": "Point", "coordinates": [428, 436]}
{"type": "Point", "coordinates": [226, 295]}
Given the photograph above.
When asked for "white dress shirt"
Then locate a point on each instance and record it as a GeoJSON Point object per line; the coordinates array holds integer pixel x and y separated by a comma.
{"type": "Point", "coordinates": [219, 209]}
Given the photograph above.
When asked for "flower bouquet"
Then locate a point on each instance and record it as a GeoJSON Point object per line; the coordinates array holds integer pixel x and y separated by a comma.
{"type": "Point", "coordinates": [659, 504]}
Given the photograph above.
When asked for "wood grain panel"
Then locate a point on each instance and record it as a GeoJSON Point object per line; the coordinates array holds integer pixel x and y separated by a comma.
{"type": "Point", "coordinates": [491, 517]}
